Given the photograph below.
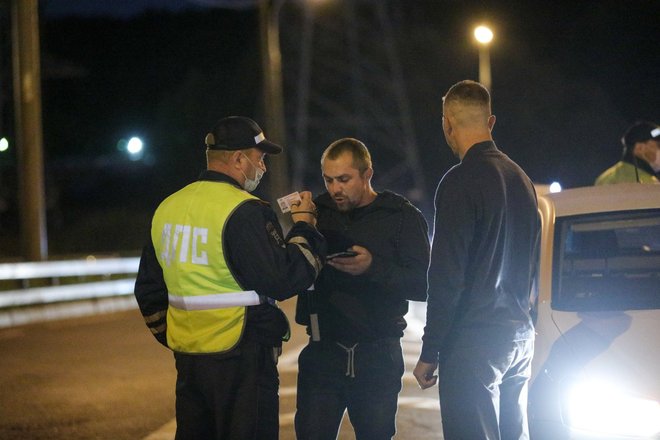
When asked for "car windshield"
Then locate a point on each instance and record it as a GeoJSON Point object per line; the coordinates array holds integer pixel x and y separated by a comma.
{"type": "Point", "coordinates": [607, 261]}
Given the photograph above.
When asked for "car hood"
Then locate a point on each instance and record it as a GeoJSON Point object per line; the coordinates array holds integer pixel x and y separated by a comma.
{"type": "Point", "coordinates": [619, 348]}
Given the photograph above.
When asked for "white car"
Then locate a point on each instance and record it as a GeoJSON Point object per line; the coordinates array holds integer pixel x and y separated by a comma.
{"type": "Point", "coordinates": [596, 369]}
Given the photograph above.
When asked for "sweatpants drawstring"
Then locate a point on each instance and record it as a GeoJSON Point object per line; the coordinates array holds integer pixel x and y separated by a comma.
{"type": "Point", "coordinates": [350, 364]}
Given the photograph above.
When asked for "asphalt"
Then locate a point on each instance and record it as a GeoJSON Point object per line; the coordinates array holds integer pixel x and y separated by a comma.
{"type": "Point", "coordinates": [127, 350]}
{"type": "Point", "coordinates": [418, 414]}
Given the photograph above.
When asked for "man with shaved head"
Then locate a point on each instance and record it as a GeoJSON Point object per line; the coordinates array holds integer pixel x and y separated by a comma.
{"type": "Point", "coordinates": [479, 333]}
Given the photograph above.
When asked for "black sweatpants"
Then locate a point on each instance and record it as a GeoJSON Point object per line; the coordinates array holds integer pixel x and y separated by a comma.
{"type": "Point", "coordinates": [364, 379]}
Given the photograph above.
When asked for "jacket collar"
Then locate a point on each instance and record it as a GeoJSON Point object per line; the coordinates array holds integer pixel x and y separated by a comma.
{"type": "Point", "coordinates": [215, 176]}
{"type": "Point", "coordinates": [480, 148]}
{"type": "Point", "coordinates": [640, 163]}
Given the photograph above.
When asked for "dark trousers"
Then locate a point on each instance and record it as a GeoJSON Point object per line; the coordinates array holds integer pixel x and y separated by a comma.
{"type": "Point", "coordinates": [364, 379]}
{"type": "Point", "coordinates": [228, 396]}
{"type": "Point", "coordinates": [483, 391]}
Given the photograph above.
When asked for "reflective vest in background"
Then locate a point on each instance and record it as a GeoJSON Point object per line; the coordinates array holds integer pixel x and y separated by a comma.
{"type": "Point", "coordinates": [206, 312]}
{"type": "Point", "coordinates": [622, 172]}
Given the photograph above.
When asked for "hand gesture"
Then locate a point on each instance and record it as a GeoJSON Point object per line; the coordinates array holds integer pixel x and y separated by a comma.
{"type": "Point", "coordinates": [423, 372]}
{"type": "Point", "coordinates": [305, 210]}
{"type": "Point", "coordinates": [356, 265]}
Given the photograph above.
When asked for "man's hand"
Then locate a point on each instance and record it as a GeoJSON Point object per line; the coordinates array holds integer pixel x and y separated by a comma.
{"type": "Point", "coordinates": [423, 372]}
{"type": "Point", "coordinates": [353, 265]}
{"type": "Point", "coordinates": [305, 210]}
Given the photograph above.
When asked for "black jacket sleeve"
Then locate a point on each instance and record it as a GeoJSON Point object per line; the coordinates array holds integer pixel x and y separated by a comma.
{"type": "Point", "coordinates": [262, 260]}
{"type": "Point", "coordinates": [151, 294]}
{"type": "Point", "coordinates": [405, 275]}
{"type": "Point", "coordinates": [452, 236]}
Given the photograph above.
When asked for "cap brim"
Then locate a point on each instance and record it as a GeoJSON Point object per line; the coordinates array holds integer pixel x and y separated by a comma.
{"type": "Point", "coordinates": [269, 147]}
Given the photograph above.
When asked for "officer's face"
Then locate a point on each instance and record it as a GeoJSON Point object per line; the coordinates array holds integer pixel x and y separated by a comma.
{"type": "Point", "coordinates": [254, 158]}
{"type": "Point", "coordinates": [649, 150]}
{"type": "Point", "coordinates": [347, 187]}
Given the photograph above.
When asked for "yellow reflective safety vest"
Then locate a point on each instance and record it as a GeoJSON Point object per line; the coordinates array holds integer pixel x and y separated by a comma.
{"type": "Point", "coordinates": [206, 312]}
{"type": "Point", "coordinates": [622, 172]}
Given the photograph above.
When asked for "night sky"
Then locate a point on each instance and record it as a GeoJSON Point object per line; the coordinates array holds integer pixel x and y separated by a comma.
{"type": "Point", "coordinates": [568, 78]}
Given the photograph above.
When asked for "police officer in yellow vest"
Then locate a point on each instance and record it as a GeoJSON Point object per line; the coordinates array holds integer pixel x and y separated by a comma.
{"type": "Point", "coordinates": [209, 280]}
{"type": "Point", "coordinates": [640, 161]}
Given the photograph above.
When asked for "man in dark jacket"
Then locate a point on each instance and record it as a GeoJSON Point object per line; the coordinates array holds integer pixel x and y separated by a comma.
{"type": "Point", "coordinates": [355, 315]}
{"type": "Point", "coordinates": [208, 283]}
{"type": "Point", "coordinates": [478, 328]}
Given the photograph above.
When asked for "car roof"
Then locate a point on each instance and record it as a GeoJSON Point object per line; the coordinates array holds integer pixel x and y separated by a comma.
{"type": "Point", "coordinates": [604, 198]}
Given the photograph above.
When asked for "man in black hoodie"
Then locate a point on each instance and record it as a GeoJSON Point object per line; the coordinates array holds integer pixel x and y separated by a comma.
{"type": "Point", "coordinates": [355, 315]}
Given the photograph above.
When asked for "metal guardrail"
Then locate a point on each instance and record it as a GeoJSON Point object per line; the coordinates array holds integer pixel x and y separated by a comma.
{"type": "Point", "coordinates": [72, 288]}
{"type": "Point", "coordinates": [50, 269]}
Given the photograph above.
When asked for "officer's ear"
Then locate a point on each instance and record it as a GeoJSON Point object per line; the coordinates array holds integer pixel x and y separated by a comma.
{"type": "Point", "coordinates": [235, 158]}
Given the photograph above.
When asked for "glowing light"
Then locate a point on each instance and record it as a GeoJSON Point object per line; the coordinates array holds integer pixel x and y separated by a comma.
{"type": "Point", "coordinates": [134, 145]}
{"type": "Point", "coordinates": [4, 144]}
{"type": "Point", "coordinates": [483, 34]}
{"type": "Point", "coordinates": [601, 407]}
{"type": "Point", "coordinates": [555, 187]}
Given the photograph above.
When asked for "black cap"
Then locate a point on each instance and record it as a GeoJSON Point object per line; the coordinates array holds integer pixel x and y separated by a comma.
{"type": "Point", "coordinates": [640, 132]}
{"type": "Point", "coordinates": [239, 133]}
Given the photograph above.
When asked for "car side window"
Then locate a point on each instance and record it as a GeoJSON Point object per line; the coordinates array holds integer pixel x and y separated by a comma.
{"type": "Point", "coordinates": [607, 261]}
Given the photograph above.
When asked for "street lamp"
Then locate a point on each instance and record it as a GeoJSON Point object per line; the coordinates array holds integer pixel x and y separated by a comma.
{"type": "Point", "coordinates": [484, 36]}
{"type": "Point", "coordinates": [135, 148]}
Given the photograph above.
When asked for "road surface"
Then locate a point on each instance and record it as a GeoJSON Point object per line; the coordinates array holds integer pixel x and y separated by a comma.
{"type": "Point", "coordinates": [105, 377]}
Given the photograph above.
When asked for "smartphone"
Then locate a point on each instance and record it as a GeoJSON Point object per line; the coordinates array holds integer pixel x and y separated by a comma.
{"type": "Point", "coordinates": [342, 254]}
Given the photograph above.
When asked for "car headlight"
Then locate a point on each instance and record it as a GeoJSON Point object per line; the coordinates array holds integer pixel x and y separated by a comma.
{"type": "Point", "coordinates": [601, 408]}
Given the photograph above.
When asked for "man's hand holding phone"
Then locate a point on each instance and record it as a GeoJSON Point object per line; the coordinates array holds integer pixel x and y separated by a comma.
{"type": "Point", "coordinates": [354, 265]}
{"type": "Point", "coordinates": [342, 254]}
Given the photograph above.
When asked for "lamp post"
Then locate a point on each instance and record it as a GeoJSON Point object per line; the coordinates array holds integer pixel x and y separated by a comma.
{"type": "Point", "coordinates": [27, 103]}
{"type": "Point", "coordinates": [273, 95]}
{"type": "Point", "coordinates": [484, 36]}
{"type": "Point", "coordinates": [273, 89]}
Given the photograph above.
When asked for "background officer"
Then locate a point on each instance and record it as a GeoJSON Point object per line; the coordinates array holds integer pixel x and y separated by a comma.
{"type": "Point", "coordinates": [640, 161]}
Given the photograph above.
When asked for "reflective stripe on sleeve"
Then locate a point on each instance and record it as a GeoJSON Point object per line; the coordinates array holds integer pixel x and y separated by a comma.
{"type": "Point", "coordinates": [157, 330]}
{"type": "Point", "coordinates": [311, 258]}
{"type": "Point", "coordinates": [155, 316]}
{"type": "Point", "coordinates": [215, 301]}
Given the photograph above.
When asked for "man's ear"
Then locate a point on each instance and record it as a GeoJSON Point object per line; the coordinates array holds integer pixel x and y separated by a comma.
{"type": "Point", "coordinates": [447, 127]}
{"type": "Point", "coordinates": [234, 160]}
{"type": "Point", "coordinates": [491, 122]}
{"type": "Point", "coordinates": [369, 173]}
